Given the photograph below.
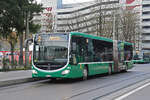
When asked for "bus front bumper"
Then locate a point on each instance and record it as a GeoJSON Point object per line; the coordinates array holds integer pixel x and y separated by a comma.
{"type": "Point", "coordinates": [45, 74]}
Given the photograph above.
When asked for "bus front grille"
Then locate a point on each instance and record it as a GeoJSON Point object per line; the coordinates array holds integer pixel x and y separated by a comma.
{"type": "Point", "coordinates": [49, 67]}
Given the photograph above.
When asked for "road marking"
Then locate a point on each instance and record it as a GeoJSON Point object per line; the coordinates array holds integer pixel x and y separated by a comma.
{"type": "Point", "coordinates": [133, 91]}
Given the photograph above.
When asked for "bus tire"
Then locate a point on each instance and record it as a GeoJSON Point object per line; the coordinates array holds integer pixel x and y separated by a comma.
{"type": "Point", "coordinates": [53, 79]}
{"type": "Point", "coordinates": [85, 73]}
{"type": "Point", "coordinates": [126, 67]}
{"type": "Point", "coordinates": [110, 70]}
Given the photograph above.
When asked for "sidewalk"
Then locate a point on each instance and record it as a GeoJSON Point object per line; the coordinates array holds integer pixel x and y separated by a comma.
{"type": "Point", "coordinates": [16, 77]}
{"type": "Point", "coordinates": [10, 75]}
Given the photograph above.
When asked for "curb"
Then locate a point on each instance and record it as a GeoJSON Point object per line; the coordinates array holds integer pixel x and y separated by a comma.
{"type": "Point", "coordinates": [18, 81]}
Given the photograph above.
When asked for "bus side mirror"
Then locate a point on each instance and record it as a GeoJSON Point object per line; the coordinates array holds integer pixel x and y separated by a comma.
{"type": "Point", "coordinates": [27, 41]}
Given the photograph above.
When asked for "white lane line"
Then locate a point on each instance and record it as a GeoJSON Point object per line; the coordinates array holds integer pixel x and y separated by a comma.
{"type": "Point", "coordinates": [131, 92]}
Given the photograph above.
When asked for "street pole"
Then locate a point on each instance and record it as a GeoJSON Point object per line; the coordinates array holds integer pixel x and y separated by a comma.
{"type": "Point", "coordinates": [26, 36]}
{"type": "Point", "coordinates": [115, 45]}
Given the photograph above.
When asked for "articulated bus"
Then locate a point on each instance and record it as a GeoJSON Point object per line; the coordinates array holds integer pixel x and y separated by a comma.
{"type": "Point", "coordinates": [77, 55]}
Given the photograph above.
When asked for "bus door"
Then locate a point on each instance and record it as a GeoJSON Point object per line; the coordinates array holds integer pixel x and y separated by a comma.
{"type": "Point", "coordinates": [77, 50]}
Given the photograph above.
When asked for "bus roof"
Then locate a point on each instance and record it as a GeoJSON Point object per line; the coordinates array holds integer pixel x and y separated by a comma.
{"type": "Point", "coordinates": [128, 43]}
{"type": "Point", "coordinates": [96, 37]}
{"type": "Point", "coordinates": [91, 36]}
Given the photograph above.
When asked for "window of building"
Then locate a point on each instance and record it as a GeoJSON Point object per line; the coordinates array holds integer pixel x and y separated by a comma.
{"type": "Point", "coordinates": [146, 5]}
{"type": "Point", "coordinates": [145, 20]}
{"type": "Point", "coordinates": [146, 27]}
{"type": "Point", "coordinates": [144, 13]}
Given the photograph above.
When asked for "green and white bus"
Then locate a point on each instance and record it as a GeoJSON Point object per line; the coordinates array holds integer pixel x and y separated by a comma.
{"type": "Point", "coordinates": [141, 57]}
{"type": "Point", "coordinates": [77, 55]}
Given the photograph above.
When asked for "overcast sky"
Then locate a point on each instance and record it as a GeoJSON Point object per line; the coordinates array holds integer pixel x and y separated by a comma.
{"type": "Point", "coordinates": [70, 1]}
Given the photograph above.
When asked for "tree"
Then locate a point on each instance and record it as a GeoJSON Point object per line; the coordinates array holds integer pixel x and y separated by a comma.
{"type": "Point", "coordinates": [7, 24]}
{"type": "Point", "coordinates": [12, 40]}
{"type": "Point", "coordinates": [14, 19]}
{"type": "Point", "coordinates": [99, 21]}
{"type": "Point", "coordinates": [130, 25]}
{"type": "Point", "coordinates": [127, 25]}
{"type": "Point", "coordinates": [25, 7]}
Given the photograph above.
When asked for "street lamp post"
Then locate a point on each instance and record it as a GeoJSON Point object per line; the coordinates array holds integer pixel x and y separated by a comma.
{"type": "Point", "coordinates": [26, 36]}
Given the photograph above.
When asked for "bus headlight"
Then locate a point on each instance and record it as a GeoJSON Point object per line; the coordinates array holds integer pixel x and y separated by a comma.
{"type": "Point", "coordinates": [34, 71]}
{"type": "Point", "coordinates": [65, 72]}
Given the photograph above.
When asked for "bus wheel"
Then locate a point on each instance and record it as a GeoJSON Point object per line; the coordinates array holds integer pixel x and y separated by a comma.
{"type": "Point", "coordinates": [126, 68]}
{"type": "Point", "coordinates": [109, 70]}
{"type": "Point", "coordinates": [53, 79]}
{"type": "Point", "coordinates": [85, 73]}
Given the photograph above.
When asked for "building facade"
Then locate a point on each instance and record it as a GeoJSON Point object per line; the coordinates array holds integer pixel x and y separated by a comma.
{"type": "Point", "coordinates": [136, 7]}
{"type": "Point", "coordinates": [48, 17]}
{"type": "Point", "coordinates": [143, 7]}
{"type": "Point", "coordinates": [59, 17]}
{"type": "Point", "coordinates": [145, 25]}
{"type": "Point", "coordinates": [83, 17]}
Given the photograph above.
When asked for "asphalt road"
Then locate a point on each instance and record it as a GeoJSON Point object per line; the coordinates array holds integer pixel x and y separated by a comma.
{"type": "Point", "coordinates": [142, 94]}
{"type": "Point", "coordinates": [95, 88]}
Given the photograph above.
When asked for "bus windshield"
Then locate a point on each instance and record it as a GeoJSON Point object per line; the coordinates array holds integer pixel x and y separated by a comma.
{"type": "Point", "coordinates": [50, 49]}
